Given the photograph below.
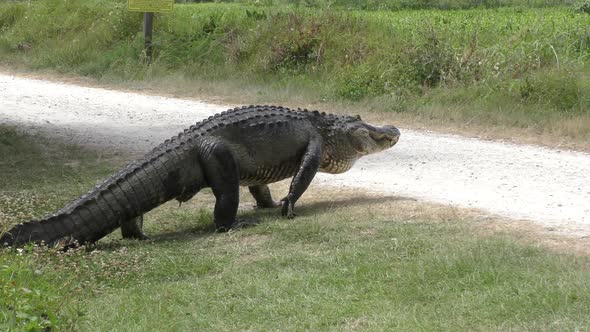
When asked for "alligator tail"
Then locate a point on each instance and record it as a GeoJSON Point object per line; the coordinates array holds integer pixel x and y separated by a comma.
{"type": "Point", "coordinates": [138, 188]}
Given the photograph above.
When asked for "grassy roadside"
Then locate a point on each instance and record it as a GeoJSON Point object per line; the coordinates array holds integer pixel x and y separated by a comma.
{"type": "Point", "coordinates": [351, 261]}
{"type": "Point", "coordinates": [503, 72]}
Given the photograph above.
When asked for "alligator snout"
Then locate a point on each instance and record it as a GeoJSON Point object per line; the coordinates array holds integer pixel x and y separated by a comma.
{"type": "Point", "coordinates": [389, 133]}
{"type": "Point", "coordinates": [392, 132]}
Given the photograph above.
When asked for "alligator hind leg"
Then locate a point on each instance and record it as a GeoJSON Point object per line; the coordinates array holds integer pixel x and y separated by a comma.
{"type": "Point", "coordinates": [263, 197]}
{"type": "Point", "coordinates": [221, 171]}
{"type": "Point", "coordinates": [132, 229]}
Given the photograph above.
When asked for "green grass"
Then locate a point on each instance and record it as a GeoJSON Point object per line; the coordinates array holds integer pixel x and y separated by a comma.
{"type": "Point", "coordinates": [350, 261]}
{"type": "Point", "coordinates": [491, 66]}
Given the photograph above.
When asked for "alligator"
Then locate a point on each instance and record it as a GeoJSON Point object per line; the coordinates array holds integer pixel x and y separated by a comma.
{"type": "Point", "coordinates": [249, 146]}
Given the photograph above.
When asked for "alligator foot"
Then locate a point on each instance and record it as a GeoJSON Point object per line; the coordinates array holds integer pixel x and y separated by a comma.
{"type": "Point", "coordinates": [267, 206]}
{"type": "Point", "coordinates": [263, 197]}
{"type": "Point", "coordinates": [142, 237]}
{"type": "Point", "coordinates": [132, 229]}
{"type": "Point", "coordinates": [287, 210]}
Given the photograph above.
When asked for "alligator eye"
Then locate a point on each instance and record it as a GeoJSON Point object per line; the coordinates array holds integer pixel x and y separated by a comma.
{"type": "Point", "coordinates": [358, 117]}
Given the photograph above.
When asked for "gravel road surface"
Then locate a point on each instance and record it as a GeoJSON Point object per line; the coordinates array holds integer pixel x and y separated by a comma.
{"type": "Point", "coordinates": [547, 186]}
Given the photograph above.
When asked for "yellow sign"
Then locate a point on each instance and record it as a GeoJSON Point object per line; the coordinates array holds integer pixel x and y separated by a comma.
{"type": "Point", "coordinates": [150, 5]}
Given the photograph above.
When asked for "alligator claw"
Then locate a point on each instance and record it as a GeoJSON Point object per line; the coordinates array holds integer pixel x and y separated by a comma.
{"type": "Point", "coordinates": [139, 237]}
{"type": "Point", "coordinates": [287, 210]}
{"type": "Point", "coordinates": [274, 205]}
{"type": "Point", "coordinates": [144, 237]}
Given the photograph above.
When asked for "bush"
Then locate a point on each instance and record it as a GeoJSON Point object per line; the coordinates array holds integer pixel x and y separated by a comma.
{"type": "Point", "coordinates": [296, 42]}
{"type": "Point", "coordinates": [562, 89]}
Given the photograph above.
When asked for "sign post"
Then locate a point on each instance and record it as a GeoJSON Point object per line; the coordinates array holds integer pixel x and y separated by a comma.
{"type": "Point", "coordinates": [149, 7]}
{"type": "Point", "coordinates": [148, 27]}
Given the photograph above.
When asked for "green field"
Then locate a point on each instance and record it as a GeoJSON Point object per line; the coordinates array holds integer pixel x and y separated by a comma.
{"type": "Point", "coordinates": [508, 66]}
{"type": "Point", "coordinates": [350, 261]}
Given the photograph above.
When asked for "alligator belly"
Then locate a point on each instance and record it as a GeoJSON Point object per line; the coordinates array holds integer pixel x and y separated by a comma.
{"type": "Point", "coordinates": [266, 175]}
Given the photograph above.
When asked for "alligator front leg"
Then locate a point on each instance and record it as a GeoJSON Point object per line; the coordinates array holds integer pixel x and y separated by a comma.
{"type": "Point", "coordinates": [263, 197]}
{"type": "Point", "coordinates": [221, 172]}
{"type": "Point", "coordinates": [132, 229]}
{"type": "Point", "coordinates": [309, 167]}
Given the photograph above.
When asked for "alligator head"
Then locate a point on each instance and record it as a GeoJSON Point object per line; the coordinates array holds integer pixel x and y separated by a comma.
{"type": "Point", "coordinates": [350, 138]}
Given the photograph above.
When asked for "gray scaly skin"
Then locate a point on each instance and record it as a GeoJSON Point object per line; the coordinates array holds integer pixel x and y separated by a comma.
{"type": "Point", "coordinates": [248, 146]}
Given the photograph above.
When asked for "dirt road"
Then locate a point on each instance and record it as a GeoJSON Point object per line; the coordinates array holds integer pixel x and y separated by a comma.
{"type": "Point", "coordinates": [549, 187]}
